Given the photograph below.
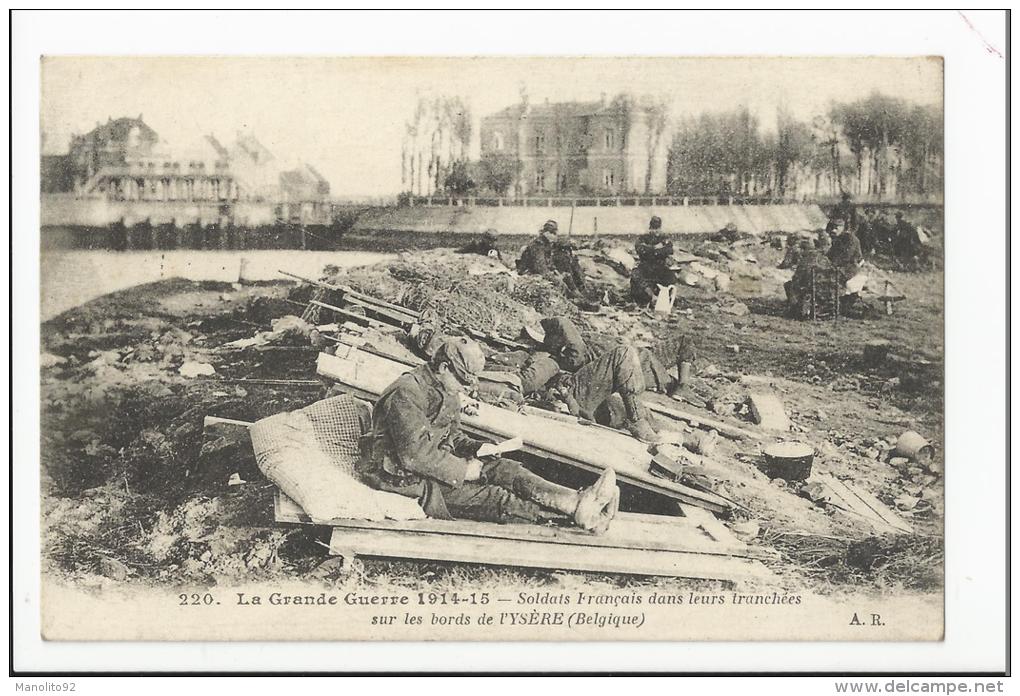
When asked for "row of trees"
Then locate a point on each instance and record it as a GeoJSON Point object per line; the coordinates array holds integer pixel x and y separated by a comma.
{"type": "Point", "coordinates": [879, 148]}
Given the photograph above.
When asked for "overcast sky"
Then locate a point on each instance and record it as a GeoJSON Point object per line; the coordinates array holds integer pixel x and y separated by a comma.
{"type": "Point", "coordinates": [346, 116]}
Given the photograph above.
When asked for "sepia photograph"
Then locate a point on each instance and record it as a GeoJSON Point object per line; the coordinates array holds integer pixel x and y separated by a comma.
{"type": "Point", "coordinates": [479, 348]}
{"type": "Point", "coordinates": [514, 342]}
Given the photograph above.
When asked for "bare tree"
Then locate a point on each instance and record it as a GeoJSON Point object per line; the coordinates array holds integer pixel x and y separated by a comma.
{"type": "Point", "coordinates": [656, 113]}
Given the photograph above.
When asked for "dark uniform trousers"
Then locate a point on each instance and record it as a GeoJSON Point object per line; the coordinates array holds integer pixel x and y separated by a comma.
{"type": "Point", "coordinates": [502, 494]}
{"type": "Point", "coordinates": [416, 448]}
{"type": "Point", "coordinates": [618, 370]}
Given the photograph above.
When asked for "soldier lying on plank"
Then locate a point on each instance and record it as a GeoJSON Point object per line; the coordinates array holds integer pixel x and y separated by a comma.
{"type": "Point", "coordinates": [597, 385]}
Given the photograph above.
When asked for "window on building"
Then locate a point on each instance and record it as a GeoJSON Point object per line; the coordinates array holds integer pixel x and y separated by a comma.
{"type": "Point", "coordinates": [608, 178]}
{"type": "Point", "coordinates": [539, 143]}
{"type": "Point", "coordinates": [540, 180]}
{"type": "Point", "coordinates": [497, 140]}
{"type": "Point", "coordinates": [610, 139]}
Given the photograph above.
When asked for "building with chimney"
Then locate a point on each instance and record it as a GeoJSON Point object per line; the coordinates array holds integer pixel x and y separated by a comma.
{"type": "Point", "coordinates": [124, 161]}
{"type": "Point", "coordinates": [581, 148]}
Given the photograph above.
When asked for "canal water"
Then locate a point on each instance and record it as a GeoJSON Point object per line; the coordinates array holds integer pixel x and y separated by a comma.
{"type": "Point", "coordinates": [72, 277]}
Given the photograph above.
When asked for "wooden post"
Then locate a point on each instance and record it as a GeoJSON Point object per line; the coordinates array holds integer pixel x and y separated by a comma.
{"type": "Point", "coordinates": [812, 295]}
{"type": "Point", "coordinates": [686, 201]}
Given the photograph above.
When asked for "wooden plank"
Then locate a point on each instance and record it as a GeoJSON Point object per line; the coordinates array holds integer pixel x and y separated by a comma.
{"type": "Point", "coordinates": [351, 293]}
{"type": "Point", "coordinates": [707, 423]}
{"type": "Point", "coordinates": [880, 509]}
{"type": "Point", "coordinates": [369, 321]}
{"type": "Point", "coordinates": [210, 421]}
{"type": "Point", "coordinates": [399, 314]}
{"type": "Point", "coordinates": [629, 530]}
{"type": "Point", "coordinates": [537, 554]}
{"type": "Point", "coordinates": [592, 449]}
{"type": "Point", "coordinates": [401, 318]}
{"type": "Point", "coordinates": [768, 412]}
{"type": "Point", "coordinates": [852, 499]}
{"type": "Point", "coordinates": [713, 527]}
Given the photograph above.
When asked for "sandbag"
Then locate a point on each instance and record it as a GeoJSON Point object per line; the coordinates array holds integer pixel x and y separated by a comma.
{"type": "Point", "coordinates": [310, 454]}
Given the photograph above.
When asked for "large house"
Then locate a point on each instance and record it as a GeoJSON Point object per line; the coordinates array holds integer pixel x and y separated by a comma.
{"type": "Point", "coordinates": [125, 160]}
{"type": "Point", "coordinates": [570, 148]}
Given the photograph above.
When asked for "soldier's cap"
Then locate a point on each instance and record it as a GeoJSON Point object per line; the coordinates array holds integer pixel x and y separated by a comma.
{"type": "Point", "coordinates": [655, 223]}
{"type": "Point", "coordinates": [464, 356]}
{"type": "Point", "coordinates": [550, 226]}
{"type": "Point", "coordinates": [731, 227]}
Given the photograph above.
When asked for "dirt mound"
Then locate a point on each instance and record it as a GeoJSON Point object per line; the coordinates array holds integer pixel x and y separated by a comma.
{"type": "Point", "coordinates": [464, 289]}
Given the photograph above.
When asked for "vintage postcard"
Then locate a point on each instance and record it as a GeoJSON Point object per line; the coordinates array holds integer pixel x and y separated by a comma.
{"type": "Point", "coordinates": [475, 349]}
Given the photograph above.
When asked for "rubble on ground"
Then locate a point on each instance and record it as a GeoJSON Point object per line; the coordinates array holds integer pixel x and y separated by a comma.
{"type": "Point", "coordinates": [126, 499]}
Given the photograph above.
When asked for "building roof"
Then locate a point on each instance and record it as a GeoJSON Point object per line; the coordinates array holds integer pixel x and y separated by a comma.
{"type": "Point", "coordinates": [119, 129]}
{"type": "Point", "coordinates": [554, 109]}
{"type": "Point", "coordinates": [250, 146]}
{"type": "Point", "coordinates": [217, 145]}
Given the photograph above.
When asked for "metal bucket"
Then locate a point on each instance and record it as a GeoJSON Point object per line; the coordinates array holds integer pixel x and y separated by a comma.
{"type": "Point", "coordinates": [914, 447]}
{"type": "Point", "coordinates": [790, 461]}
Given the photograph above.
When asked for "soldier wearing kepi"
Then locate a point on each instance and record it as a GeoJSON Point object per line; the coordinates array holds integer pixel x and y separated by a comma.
{"type": "Point", "coordinates": [547, 254]}
{"type": "Point", "coordinates": [654, 252]}
{"type": "Point", "coordinates": [416, 448]}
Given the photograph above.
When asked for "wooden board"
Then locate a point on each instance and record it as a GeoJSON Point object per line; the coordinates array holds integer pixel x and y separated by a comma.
{"type": "Point", "coordinates": [655, 402]}
{"type": "Point", "coordinates": [768, 412]}
{"type": "Point", "coordinates": [588, 448]}
{"type": "Point", "coordinates": [629, 530]}
{"type": "Point", "coordinates": [635, 544]}
{"type": "Point", "coordinates": [853, 499]}
{"type": "Point", "coordinates": [537, 554]}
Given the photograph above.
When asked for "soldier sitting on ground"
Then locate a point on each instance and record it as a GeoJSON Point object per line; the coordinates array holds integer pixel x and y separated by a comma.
{"type": "Point", "coordinates": [798, 288]}
{"type": "Point", "coordinates": [416, 448]}
{"type": "Point", "coordinates": [655, 255]}
{"type": "Point", "coordinates": [549, 255]}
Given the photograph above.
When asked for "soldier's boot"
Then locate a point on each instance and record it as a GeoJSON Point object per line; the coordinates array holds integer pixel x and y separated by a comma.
{"type": "Point", "coordinates": [598, 504]}
{"type": "Point", "coordinates": [683, 388]}
{"type": "Point", "coordinates": [588, 507]}
{"type": "Point", "coordinates": [424, 333]}
{"type": "Point", "coordinates": [638, 423]}
{"type": "Point", "coordinates": [607, 514]}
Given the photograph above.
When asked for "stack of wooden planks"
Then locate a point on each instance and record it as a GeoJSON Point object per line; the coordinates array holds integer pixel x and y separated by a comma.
{"type": "Point", "coordinates": [635, 544]}
{"type": "Point", "coordinates": [852, 499]}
